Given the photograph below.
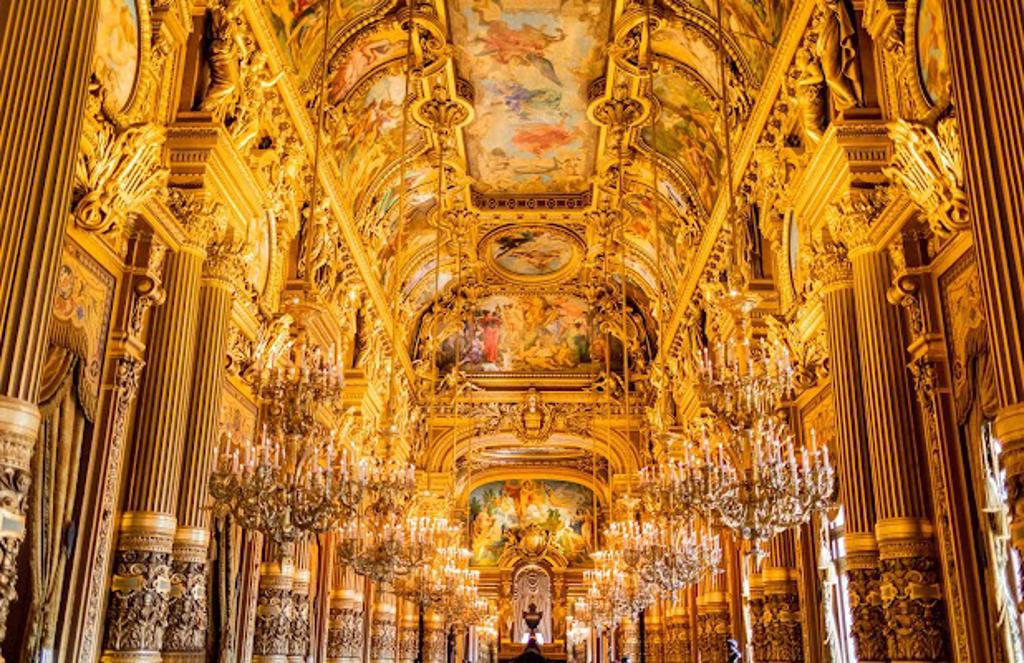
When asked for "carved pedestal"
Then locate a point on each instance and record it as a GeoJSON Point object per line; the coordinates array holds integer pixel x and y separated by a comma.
{"type": "Point", "coordinates": [781, 617]}
{"type": "Point", "coordinates": [140, 588]}
{"type": "Point", "coordinates": [298, 641]}
{"type": "Point", "coordinates": [865, 599]}
{"type": "Point", "coordinates": [713, 627]}
{"type": "Point", "coordinates": [911, 592]}
{"type": "Point", "coordinates": [19, 424]}
{"type": "Point", "coordinates": [187, 614]}
{"type": "Point", "coordinates": [274, 613]}
{"type": "Point", "coordinates": [345, 628]}
{"type": "Point", "coordinates": [383, 634]}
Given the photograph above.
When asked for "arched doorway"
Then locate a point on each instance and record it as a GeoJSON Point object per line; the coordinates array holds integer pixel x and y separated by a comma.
{"type": "Point", "coordinates": [531, 585]}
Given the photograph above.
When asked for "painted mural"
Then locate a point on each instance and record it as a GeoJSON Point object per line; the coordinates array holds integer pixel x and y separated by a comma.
{"type": "Point", "coordinates": [116, 61]}
{"type": "Point", "coordinates": [931, 49]}
{"type": "Point", "coordinates": [82, 302]}
{"type": "Point", "coordinates": [688, 133]}
{"type": "Point", "coordinates": [373, 133]}
{"type": "Point", "coordinates": [755, 25]}
{"type": "Point", "coordinates": [237, 414]}
{"type": "Point", "coordinates": [519, 332]}
{"type": "Point", "coordinates": [368, 53]}
{"type": "Point", "coordinates": [532, 251]}
{"type": "Point", "coordinates": [299, 25]}
{"type": "Point", "coordinates": [500, 509]}
{"type": "Point", "coordinates": [530, 64]}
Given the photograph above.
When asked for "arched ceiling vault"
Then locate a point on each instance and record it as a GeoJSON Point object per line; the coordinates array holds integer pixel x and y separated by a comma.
{"type": "Point", "coordinates": [533, 163]}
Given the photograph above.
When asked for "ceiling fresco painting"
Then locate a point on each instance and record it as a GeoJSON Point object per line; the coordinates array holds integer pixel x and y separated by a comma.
{"type": "Point", "coordinates": [527, 332]}
{"type": "Point", "coordinates": [755, 25]}
{"type": "Point", "coordinates": [117, 50]}
{"type": "Point", "coordinates": [931, 49]}
{"type": "Point", "coordinates": [505, 515]}
{"type": "Point", "coordinates": [366, 54]}
{"type": "Point", "coordinates": [531, 64]}
{"type": "Point", "coordinates": [531, 252]}
{"type": "Point", "coordinates": [299, 26]}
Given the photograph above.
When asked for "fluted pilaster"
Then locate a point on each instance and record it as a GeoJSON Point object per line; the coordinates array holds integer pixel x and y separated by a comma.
{"type": "Point", "coordinates": [903, 531]}
{"type": "Point", "coordinates": [140, 589]}
{"type": "Point", "coordinates": [45, 61]}
{"type": "Point", "coordinates": [185, 638]}
{"type": "Point", "coordinates": [987, 67]}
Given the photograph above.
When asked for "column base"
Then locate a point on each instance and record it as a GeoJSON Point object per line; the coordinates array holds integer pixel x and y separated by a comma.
{"type": "Point", "coordinates": [187, 605]}
{"type": "Point", "coordinates": [140, 587]}
{"type": "Point", "coordinates": [19, 428]}
{"type": "Point", "coordinates": [183, 657]}
{"type": "Point", "coordinates": [864, 578]}
{"type": "Point", "coordinates": [782, 624]}
{"type": "Point", "coordinates": [130, 657]}
{"type": "Point", "coordinates": [911, 591]}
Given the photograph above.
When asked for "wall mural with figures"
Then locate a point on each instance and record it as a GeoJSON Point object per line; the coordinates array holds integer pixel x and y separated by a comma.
{"type": "Point", "coordinates": [503, 511]}
{"type": "Point", "coordinates": [524, 332]}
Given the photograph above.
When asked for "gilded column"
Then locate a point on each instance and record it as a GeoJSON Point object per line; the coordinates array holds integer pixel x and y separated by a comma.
{"type": "Point", "coordinates": [910, 586]}
{"type": "Point", "coordinates": [781, 617]}
{"type": "Point", "coordinates": [274, 606]}
{"type": "Point", "coordinates": [345, 624]}
{"type": "Point", "coordinates": [185, 638]}
{"type": "Point", "coordinates": [654, 635]}
{"type": "Point", "coordinates": [675, 620]}
{"type": "Point", "coordinates": [137, 613]}
{"type": "Point", "coordinates": [628, 642]}
{"type": "Point", "coordinates": [408, 638]}
{"type": "Point", "coordinates": [987, 67]}
{"type": "Point", "coordinates": [45, 61]}
{"type": "Point", "coordinates": [435, 637]}
{"type": "Point", "coordinates": [856, 492]}
{"type": "Point", "coordinates": [714, 625]}
{"type": "Point", "coordinates": [757, 630]}
{"type": "Point", "coordinates": [383, 629]}
{"type": "Point", "coordinates": [298, 641]}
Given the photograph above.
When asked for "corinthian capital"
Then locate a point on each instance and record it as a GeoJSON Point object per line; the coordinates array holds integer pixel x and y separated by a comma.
{"type": "Point", "coordinates": [851, 216]}
{"type": "Point", "coordinates": [225, 261]}
{"type": "Point", "coordinates": [200, 219]}
{"type": "Point", "coordinates": [832, 265]}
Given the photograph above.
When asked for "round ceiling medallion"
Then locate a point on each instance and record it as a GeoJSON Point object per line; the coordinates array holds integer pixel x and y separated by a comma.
{"type": "Point", "coordinates": [532, 252]}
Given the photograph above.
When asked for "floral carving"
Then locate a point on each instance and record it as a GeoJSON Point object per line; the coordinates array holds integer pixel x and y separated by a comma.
{"type": "Point", "coordinates": [915, 613]}
{"type": "Point", "coordinates": [274, 609]}
{"type": "Point", "coordinates": [187, 608]}
{"type": "Point", "coordinates": [782, 630]}
{"type": "Point", "coordinates": [299, 640]}
{"type": "Point", "coordinates": [137, 614]}
{"type": "Point", "coordinates": [868, 617]}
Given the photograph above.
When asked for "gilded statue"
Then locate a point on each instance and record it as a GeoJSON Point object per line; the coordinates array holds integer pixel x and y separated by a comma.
{"type": "Point", "coordinates": [223, 54]}
{"type": "Point", "coordinates": [837, 54]}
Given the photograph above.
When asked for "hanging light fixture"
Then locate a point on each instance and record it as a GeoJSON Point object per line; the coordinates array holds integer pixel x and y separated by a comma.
{"type": "Point", "coordinates": [297, 477]}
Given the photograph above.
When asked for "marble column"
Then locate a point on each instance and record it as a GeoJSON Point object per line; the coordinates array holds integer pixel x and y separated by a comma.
{"type": "Point", "coordinates": [910, 584]}
{"type": "Point", "coordinates": [274, 606]}
{"type": "Point", "coordinates": [781, 617]}
{"type": "Point", "coordinates": [383, 628]}
{"type": "Point", "coordinates": [45, 62]}
{"type": "Point", "coordinates": [856, 492]}
{"type": "Point", "coordinates": [137, 613]}
{"type": "Point", "coordinates": [987, 67]}
{"type": "Point", "coordinates": [185, 637]}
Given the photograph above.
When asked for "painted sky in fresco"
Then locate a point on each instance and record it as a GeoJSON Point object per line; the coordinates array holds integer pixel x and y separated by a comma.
{"type": "Point", "coordinates": [501, 508]}
{"type": "Point", "coordinates": [530, 64]}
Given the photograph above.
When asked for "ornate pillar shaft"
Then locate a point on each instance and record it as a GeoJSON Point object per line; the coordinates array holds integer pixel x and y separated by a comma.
{"type": "Point", "coordinates": [345, 623]}
{"type": "Point", "coordinates": [408, 634]}
{"type": "Point", "coordinates": [435, 638]}
{"type": "Point", "coordinates": [140, 588]}
{"type": "Point", "coordinates": [781, 617]}
{"type": "Point", "coordinates": [274, 607]}
{"type": "Point", "coordinates": [185, 637]}
{"type": "Point", "coordinates": [987, 66]}
{"type": "Point", "coordinates": [45, 61]}
{"type": "Point", "coordinates": [856, 492]}
{"type": "Point", "coordinates": [757, 625]}
{"type": "Point", "coordinates": [910, 581]}
{"type": "Point", "coordinates": [713, 626]}
{"type": "Point", "coordinates": [383, 629]}
{"type": "Point", "coordinates": [298, 642]}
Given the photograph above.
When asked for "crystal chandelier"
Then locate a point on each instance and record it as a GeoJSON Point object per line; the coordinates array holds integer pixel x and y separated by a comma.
{"type": "Point", "coordinates": [384, 546]}
{"type": "Point", "coordinates": [297, 477]}
{"type": "Point", "coordinates": [428, 583]}
{"type": "Point", "coordinates": [740, 379]}
{"type": "Point", "coordinates": [667, 554]}
{"type": "Point", "coordinates": [753, 482]}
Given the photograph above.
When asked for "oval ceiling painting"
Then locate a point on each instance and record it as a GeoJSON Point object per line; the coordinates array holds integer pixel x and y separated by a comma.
{"type": "Point", "coordinates": [931, 50]}
{"type": "Point", "coordinates": [116, 61]}
{"type": "Point", "coordinates": [532, 253]}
